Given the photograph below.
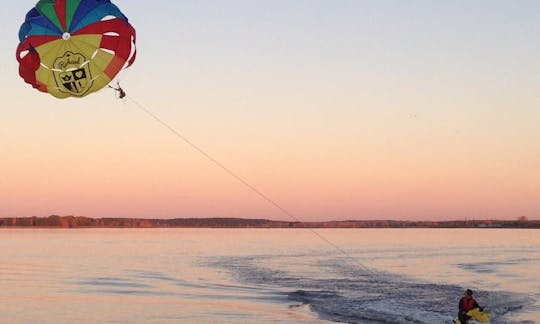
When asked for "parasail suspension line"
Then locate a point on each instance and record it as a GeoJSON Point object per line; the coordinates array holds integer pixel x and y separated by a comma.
{"type": "Point", "coordinates": [242, 180]}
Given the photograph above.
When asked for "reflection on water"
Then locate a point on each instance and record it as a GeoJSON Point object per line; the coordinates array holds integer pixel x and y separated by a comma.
{"type": "Point", "coordinates": [265, 275]}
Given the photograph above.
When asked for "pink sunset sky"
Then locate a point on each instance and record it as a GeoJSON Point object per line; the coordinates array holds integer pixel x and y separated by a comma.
{"type": "Point", "coordinates": [335, 110]}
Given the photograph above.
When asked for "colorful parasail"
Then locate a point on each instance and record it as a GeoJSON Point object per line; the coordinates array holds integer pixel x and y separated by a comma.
{"type": "Point", "coordinates": [71, 48]}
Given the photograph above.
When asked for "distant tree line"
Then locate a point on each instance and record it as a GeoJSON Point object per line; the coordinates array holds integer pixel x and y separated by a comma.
{"type": "Point", "coordinates": [55, 221]}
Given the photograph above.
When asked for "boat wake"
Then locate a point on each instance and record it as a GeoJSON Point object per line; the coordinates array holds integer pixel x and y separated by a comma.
{"type": "Point", "coordinates": [341, 292]}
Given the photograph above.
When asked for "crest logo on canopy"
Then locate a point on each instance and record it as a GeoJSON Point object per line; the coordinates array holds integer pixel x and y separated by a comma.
{"type": "Point", "coordinates": [72, 74]}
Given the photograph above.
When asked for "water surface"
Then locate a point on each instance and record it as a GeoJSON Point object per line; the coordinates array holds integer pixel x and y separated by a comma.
{"type": "Point", "coordinates": [266, 275]}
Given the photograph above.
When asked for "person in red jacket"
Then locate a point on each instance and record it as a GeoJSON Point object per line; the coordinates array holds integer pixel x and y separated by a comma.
{"type": "Point", "coordinates": [467, 303]}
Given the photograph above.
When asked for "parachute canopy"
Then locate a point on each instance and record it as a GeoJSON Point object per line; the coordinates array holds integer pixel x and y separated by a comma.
{"type": "Point", "coordinates": [71, 48]}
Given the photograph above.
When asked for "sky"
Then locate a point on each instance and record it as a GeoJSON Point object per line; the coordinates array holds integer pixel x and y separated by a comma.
{"type": "Point", "coordinates": [406, 110]}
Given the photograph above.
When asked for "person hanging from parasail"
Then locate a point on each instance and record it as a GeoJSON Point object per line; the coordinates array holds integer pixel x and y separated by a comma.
{"type": "Point", "coordinates": [120, 93]}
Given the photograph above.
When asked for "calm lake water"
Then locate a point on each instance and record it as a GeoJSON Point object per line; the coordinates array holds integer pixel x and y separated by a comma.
{"type": "Point", "coordinates": [266, 275]}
